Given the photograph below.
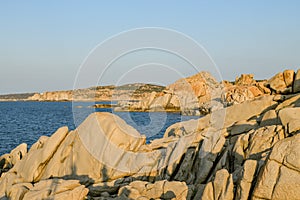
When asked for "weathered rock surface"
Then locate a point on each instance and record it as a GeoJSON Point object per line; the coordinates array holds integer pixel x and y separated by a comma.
{"type": "Point", "coordinates": [280, 176]}
{"type": "Point", "coordinates": [245, 180]}
{"type": "Point", "coordinates": [245, 151]}
{"type": "Point", "coordinates": [56, 189]}
{"type": "Point", "coordinates": [296, 85]}
{"type": "Point", "coordinates": [7, 161]}
{"type": "Point", "coordinates": [195, 95]}
{"type": "Point", "coordinates": [288, 76]}
{"type": "Point", "coordinates": [245, 80]}
{"type": "Point", "coordinates": [289, 117]}
{"type": "Point", "coordinates": [157, 190]}
{"type": "Point", "coordinates": [277, 83]}
{"type": "Point", "coordinates": [244, 88]}
{"type": "Point", "coordinates": [220, 188]}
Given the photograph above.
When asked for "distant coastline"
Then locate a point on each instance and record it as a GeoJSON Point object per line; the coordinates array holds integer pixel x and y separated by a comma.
{"type": "Point", "coordinates": [15, 97]}
{"type": "Point", "coordinates": [92, 94]}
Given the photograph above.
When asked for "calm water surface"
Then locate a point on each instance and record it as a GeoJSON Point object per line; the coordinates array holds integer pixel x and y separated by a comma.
{"type": "Point", "coordinates": [25, 122]}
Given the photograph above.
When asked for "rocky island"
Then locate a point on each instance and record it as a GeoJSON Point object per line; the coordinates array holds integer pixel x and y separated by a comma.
{"type": "Point", "coordinates": [246, 146]}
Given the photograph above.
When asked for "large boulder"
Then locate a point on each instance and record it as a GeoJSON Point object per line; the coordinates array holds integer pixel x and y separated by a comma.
{"type": "Point", "coordinates": [277, 83]}
{"type": "Point", "coordinates": [7, 161]}
{"type": "Point", "coordinates": [288, 76]}
{"type": "Point", "coordinates": [296, 85]}
{"type": "Point", "coordinates": [200, 85]}
{"type": "Point", "coordinates": [280, 177]}
{"type": "Point", "coordinates": [103, 147]}
{"type": "Point", "coordinates": [246, 180]}
{"type": "Point", "coordinates": [245, 80]}
{"type": "Point", "coordinates": [284, 82]}
{"type": "Point", "coordinates": [193, 92]}
{"type": "Point", "coordinates": [289, 117]}
{"type": "Point", "coordinates": [269, 118]}
{"type": "Point", "coordinates": [31, 167]}
{"type": "Point", "coordinates": [220, 188]}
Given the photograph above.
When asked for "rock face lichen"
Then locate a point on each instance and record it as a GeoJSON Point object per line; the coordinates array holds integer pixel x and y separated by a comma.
{"type": "Point", "coordinates": [248, 150]}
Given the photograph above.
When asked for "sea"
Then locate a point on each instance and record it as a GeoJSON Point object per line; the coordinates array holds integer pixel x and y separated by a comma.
{"type": "Point", "coordinates": [25, 122]}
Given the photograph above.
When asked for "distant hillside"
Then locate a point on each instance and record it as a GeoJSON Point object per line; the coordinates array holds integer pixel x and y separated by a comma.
{"type": "Point", "coordinates": [134, 91]}
{"type": "Point", "coordinates": [18, 97]}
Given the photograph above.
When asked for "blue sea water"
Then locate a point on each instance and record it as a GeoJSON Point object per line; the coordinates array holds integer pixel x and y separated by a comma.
{"type": "Point", "coordinates": [25, 122]}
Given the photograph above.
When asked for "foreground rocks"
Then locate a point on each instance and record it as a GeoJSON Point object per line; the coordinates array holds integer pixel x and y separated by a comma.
{"type": "Point", "coordinates": [248, 150]}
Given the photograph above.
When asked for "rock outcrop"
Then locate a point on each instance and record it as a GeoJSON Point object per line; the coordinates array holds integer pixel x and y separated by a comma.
{"type": "Point", "coordinates": [243, 89]}
{"type": "Point", "coordinates": [244, 151]}
{"type": "Point", "coordinates": [195, 95]}
{"type": "Point", "coordinates": [201, 94]}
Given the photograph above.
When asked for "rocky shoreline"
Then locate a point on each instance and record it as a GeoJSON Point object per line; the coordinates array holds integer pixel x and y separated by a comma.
{"type": "Point", "coordinates": [199, 94]}
{"type": "Point", "coordinates": [94, 94]}
{"type": "Point", "coordinates": [246, 149]}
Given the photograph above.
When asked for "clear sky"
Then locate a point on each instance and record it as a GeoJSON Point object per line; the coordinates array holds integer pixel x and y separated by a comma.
{"type": "Point", "coordinates": [43, 43]}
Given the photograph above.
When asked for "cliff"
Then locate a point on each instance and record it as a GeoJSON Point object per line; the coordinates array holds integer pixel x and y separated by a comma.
{"type": "Point", "coordinates": [248, 150]}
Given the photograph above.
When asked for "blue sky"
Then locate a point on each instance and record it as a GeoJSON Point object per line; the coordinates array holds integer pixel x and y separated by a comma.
{"type": "Point", "coordinates": [43, 43]}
